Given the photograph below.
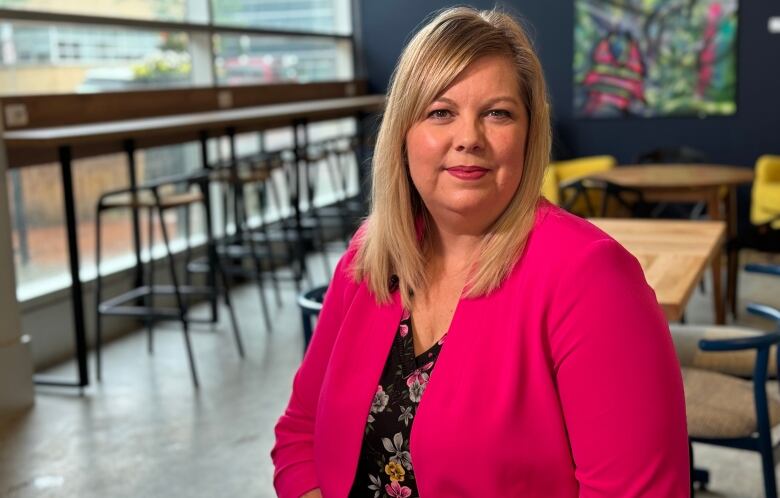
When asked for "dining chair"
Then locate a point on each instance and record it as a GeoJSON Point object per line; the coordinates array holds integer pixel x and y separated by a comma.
{"type": "Point", "coordinates": [560, 172]}
{"type": "Point", "coordinates": [682, 154]}
{"type": "Point", "coordinates": [673, 154]}
{"type": "Point", "coordinates": [763, 232]}
{"type": "Point", "coordinates": [725, 371]}
{"type": "Point", "coordinates": [603, 198]}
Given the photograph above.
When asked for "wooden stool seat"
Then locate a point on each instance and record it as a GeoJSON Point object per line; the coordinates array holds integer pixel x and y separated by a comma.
{"type": "Point", "coordinates": [225, 175]}
{"type": "Point", "coordinates": [146, 199]}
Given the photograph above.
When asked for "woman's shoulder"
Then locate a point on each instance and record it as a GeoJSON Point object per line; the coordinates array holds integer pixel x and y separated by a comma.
{"type": "Point", "coordinates": [556, 227]}
{"type": "Point", "coordinates": [565, 242]}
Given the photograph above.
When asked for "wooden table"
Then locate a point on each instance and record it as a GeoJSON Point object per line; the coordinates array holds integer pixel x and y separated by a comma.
{"type": "Point", "coordinates": [709, 183]}
{"type": "Point", "coordinates": [673, 254]}
{"type": "Point", "coordinates": [65, 143]}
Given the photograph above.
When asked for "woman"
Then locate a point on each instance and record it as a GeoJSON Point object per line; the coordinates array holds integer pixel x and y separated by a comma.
{"type": "Point", "coordinates": [477, 341]}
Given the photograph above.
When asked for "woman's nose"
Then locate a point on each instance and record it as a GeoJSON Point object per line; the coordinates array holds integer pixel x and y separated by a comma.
{"type": "Point", "coordinates": [470, 137]}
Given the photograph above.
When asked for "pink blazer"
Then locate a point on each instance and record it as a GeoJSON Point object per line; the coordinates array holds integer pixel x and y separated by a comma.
{"type": "Point", "coordinates": [562, 383]}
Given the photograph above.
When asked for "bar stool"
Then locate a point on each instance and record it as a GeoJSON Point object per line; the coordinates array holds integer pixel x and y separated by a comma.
{"type": "Point", "coordinates": [329, 163]}
{"type": "Point", "coordinates": [297, 229]}
{"type": "Point", "coordinates": [278, 232]}
{"type": "Point", "coordinates": [151, 197]}
{"type": "Point", "coordinates": [344, 163]}
{"type": "Point", "coordinates": [247, 241]}
{"type": "Point", "coordinates": [331, 216]}
{"type": "Point", "coordinates": [317, 222]}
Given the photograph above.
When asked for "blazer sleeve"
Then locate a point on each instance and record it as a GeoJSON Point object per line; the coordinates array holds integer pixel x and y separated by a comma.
{"type": "Point", "coordinates": [293, 451]}
{"type": "Point", "coordinates": [619, 382]}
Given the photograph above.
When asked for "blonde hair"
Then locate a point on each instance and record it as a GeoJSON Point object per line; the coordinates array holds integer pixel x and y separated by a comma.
{"type": "Point", "coordinates": [390, 244]}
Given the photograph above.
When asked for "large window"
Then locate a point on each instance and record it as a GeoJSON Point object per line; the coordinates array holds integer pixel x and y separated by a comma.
{"type": "Point", "coordinates": [82, 46]}
{"type": "Point", "coordinates": [43, 58]}
{"type": "Point", "coordinates": [263, 59]}
{"type": "Point", "coordinates": [323, 16]}
{"type": "Point", "coordinates": [160, 10]}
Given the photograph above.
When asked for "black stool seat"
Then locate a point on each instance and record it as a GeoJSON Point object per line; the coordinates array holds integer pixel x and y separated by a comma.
{"type": "Point", "coordinates": [226, 175]}
{"type": "Point", "coordinates": [146, 199]}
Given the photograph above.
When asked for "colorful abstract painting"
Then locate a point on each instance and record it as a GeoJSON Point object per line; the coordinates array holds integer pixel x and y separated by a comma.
{"type": "Point", "coordinates": [651, 58]}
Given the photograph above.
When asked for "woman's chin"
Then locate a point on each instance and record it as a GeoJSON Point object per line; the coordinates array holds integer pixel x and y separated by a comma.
{"type": "Point", "coordinates": [474, 213]}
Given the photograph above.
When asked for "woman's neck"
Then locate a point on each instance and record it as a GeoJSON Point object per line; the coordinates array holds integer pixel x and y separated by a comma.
{"type": "Point", "coordinates": [452, 252]}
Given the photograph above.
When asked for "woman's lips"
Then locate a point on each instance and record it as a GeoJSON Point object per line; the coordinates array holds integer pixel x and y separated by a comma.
{"type": "Point", "coordinates": [467, 172]}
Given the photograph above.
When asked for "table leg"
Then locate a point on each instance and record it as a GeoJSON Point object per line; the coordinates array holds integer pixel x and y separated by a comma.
{"type": "Point", "coordinates": [129, 146]}
{"type": "Point", "coordinates": [715, 213]}
{"type": "Point", "coordinates": [298, 144]}
{"type": "Point", "coordinates": [211, 279]}
{"type": "Point", "coordinates": [732, 257]}
{"type": "Point", "coordinates": [76, 293]}
{"type": "Point", "coordinates": [238, 194]}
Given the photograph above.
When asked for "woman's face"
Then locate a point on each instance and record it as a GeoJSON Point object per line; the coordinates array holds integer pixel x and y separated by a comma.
{"type": "Point", "coordinates": [466, 155]}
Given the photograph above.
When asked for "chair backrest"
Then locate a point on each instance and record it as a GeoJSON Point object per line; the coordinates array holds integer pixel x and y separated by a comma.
{"type": "Point", "coordinates": [602, 198]}
{"type": "Point", "coordinates": [550, 186]}
{"type": "Point", "coordinates": [562, 171]}
{"type": "Point", "coordinates": [566, 170]}
{"type": "Point", "coordinates": [669, 155]}
{"type": "Point", "coordinates": [765, 201]}
{"type": "Point", "coordinates": [737, 363]}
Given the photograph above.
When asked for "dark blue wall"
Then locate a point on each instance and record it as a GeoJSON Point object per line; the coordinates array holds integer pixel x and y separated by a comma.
{"type": "Point", "coordinates": [738, 139]}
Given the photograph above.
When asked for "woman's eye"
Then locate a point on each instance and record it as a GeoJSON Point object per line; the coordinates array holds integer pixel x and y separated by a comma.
{"type": "Point", "coordinates": [499, 113]}
{"type": "Point", "coordinates": [439, 114]}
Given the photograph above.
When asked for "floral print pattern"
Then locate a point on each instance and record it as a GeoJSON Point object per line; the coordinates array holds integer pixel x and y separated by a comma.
{"type": "Point", "coordinates": [385, 467]}
{"type": "Point", "coordinates": [396, 490]}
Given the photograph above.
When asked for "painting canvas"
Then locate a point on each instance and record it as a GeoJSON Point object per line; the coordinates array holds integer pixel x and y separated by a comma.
{"type": "Point", "coordinates": [651, 58]}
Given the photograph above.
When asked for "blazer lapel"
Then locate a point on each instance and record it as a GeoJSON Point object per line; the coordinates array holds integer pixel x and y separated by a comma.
{"type": "Point", "coordinates": [357, 361]}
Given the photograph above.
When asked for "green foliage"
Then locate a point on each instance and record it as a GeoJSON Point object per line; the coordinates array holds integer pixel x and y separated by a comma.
{"type": "Point", "coordinates": [163, 65]}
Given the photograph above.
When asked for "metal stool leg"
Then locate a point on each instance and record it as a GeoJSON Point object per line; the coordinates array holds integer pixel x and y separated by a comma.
{"type": "Point", "coordinates": [318, 230]}
{"type": "Point", "coordinates": [216, 267]}
{"type": "Point", "coordinates": [231, 311]}
{"type": "Point", "coordinates": [261, 198]}
{"type": "Point", "coordinates": [292, 177]}
{"type": "Point", "coordinates": [338, 185]}
{"type": "Point", "coordinates": [149, 298]}
{"type": "Point", "coordinates": [258, 267]}
{"type": "Point", "coordinates": [98, 299]}
{"type": "Point", "coordinates": [177, 292]}
{"type": "Point", "coordinates": [288, 244]}
{"type": "Point", "coordinates": [185, 211]}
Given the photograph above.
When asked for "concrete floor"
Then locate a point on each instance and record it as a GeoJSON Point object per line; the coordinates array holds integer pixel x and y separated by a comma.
{"type": "Point", "coordinates": [146, 432]}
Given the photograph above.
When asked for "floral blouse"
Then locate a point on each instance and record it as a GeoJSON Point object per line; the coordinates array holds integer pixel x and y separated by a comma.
{"type": "Point", "coordinates": [385, 465]}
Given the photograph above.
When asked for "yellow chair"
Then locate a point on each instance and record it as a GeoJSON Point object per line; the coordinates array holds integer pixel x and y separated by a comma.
{"type": "Point", "coordinates": [550, 185]}
{"type": "Point", "coordinates": [562, 171]}
{"type": "Point", "coordinates": [763, 233]}
{"type": "Point", "coordinates": [765, 202]}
